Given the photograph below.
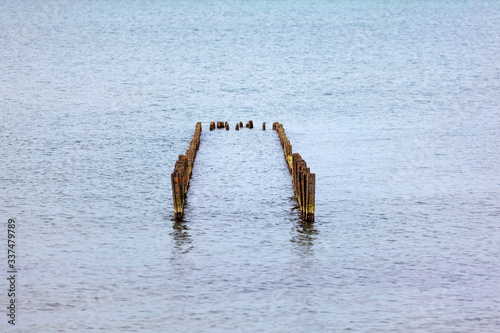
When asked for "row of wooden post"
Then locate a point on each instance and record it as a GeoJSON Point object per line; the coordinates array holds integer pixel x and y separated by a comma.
{"type": "Point", "coordinates": [221, 124]}
{"type": "Point", "coordinates": [304, 182]}
{"type": "Point", "coordinates": [182, 173]}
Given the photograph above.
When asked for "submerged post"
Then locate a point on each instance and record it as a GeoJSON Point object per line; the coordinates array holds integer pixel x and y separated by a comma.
{"type": "Point", "coordinates": [303, 181]}
{"type": "Point", "coordinates": [182, 173]}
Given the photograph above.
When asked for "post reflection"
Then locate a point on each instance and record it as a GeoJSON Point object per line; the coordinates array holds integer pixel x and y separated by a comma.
{"type": "Point", "coordinates": [182, 238]}
{"type": "Point", "coordinates": [304, 234]}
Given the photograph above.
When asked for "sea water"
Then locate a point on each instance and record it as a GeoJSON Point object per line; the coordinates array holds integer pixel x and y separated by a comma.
{"type": "Point", "coordinates": [394, 105]}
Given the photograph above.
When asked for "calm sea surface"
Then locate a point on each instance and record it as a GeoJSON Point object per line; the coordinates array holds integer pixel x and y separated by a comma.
{"type": "Point", "coordinates": [395, 105]}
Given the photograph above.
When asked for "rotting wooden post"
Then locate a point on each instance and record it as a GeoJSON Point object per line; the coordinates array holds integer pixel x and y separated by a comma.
{"type": "Point", "coordinates": [190, 159]}
{"type": "Point", "coordinates": [311, 193]}
{"type": "Point", "coordinates": [212, 125]}
{"type": "Point", "coordinates": [227, 126]}
{"type": "Point", "coordinates": [237, 126]}
{"type": "Point", "coordinates": [250, 123]}
{"type": "Point", "coordinates": [175, 187]}
{"type": "Point", "coordinates": [179, 165]}
{"type": "Point", "coordinates": [264, 126]}
{"type": "Point", "coordinates": [220, 124]}
{"type": "Point", "coordinates": [177, 193]}
{"type": "Point", "coordinates": [288, 156]}
{"type": "Point", "coordinates": [302, 166]}
{"type": "Point", "coordinates": [241, 124]}
{"type": "Point", "coordinates": [296, 158]}
{"type": "Point", "coordinates": [297, 182]}
{"type": "Point", "coordinates": [306, 195]}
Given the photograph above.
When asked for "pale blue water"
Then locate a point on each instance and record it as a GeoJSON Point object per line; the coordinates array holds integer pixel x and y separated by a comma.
{"type": "Point", "coordinates": [393, 104]}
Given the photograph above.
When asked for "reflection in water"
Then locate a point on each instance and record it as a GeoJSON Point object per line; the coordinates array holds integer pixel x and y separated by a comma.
{"type": "Point", "coordinates": [304, 234]}
{"type": "Point", "coordinates": [182, 237]}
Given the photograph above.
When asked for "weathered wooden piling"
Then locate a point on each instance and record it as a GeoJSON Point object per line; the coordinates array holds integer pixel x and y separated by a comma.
{"type": "Point", "coordinates": [264, 126]}
{"type": "Point", "coordinates": [220, 124]}
{"type": "Point", "coordinates": [311, 191]}
{"type": "Point", "coordinates": [251, 124]}
{"type": "Point", "coordinates": [237, 126]}
{"type": "Point", "coordinates": [241, 124]}
{"type": "Point", "coordinates": [182, 173]}
{"type": "Point", "coordinates": [303, 181]}
{"type": "Point", "coordinates": [227, 126]}
{"type": "Point", "coordinates": [212, 125]}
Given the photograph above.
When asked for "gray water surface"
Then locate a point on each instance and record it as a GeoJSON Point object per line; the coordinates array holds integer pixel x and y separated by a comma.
{"type": "Point", "coordinates": [393, 104]}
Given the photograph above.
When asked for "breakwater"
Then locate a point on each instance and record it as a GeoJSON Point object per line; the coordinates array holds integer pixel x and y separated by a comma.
{"type": "Point", "coordinates": [303, 181]}
{"type": "Point", "coordinates": [182, 173]}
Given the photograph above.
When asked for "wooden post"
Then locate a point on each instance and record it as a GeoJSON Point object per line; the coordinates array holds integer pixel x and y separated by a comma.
{"type": "Point", "coordinates": [288, 156]}
{"type": "Point", "coordinates": [173, 178]}
{"type": "Point", "coordinates": [227, 126]}
{"type": "Point", "coordinates": [250, 123]}
{"type": "Point", "coordinates": [212, 125]}
{"type": "Point", "coordinates": [296, 159]}
{"type": "Point", "coordinates": [300, 182]}
{"type": "Point", "coordinates": [264, 126]}
{"type": "Point", "coordinates": [306, 194]}
{"type": "Point", "coordinates": [237, 127]}
{"type": "Point", "coordinates": [241, 124]}
{"type": "Point", "coordinates": [311, 193]}
{"type": "Point", "coordinates": [190, 159]}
